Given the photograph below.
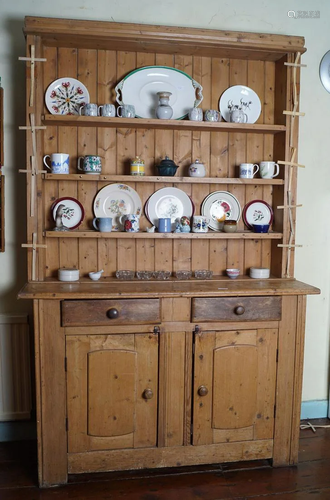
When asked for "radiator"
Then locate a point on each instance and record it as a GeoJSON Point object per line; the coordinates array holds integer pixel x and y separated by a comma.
{"type": "Point", "coordinates": [15, 368]}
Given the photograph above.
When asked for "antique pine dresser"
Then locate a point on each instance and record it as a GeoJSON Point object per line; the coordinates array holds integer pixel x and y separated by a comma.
{"type": "Point", "coordinates": [141, 374]}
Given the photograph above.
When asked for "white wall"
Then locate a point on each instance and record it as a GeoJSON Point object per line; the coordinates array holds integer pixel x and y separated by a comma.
{"type": "Point", "coordinates": [312, 261]}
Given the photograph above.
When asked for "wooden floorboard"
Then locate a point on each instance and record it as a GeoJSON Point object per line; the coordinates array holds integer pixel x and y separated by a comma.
{"type": "Point", "coordinates": [310, 480]}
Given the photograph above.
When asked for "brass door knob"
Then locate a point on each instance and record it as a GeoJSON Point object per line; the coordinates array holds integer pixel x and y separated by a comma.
{"type": "Point", "coordinates": [202, 390]}
{"type": "Point", "coordinates": [147, 394]}
{"type": "Point", "coordinates": [239, 310]}
{"type": "Point", "coordinates": [113, 313]}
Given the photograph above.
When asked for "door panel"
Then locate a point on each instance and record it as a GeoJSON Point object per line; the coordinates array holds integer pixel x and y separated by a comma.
{"type": "Point", "coordinates": [234, 385]}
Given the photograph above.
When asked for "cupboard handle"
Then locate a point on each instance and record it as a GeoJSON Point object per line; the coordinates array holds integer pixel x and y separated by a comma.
{"type": "Point", "coordinates": [113, 313]}
{"type": "Point", "coordinates": [239, 310]}
{"type": "Point", "coordinates": [147, 394]}
{"type": "Point", "coordinates": [202, 390]}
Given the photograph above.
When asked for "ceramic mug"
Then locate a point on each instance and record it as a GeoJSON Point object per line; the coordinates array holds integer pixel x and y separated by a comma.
{"type": "Point", "coordinates": [103, 224]}
{"type": "Point", "coordinates": [88, 109]}
{"type": "Point", "coordinates": [131, 222]}
{"type": "Point", "coordinates": [267, 169]}
{"type": "Point", "coordinates": [126, 111]}
{"type": "Point", "coordinates": [238, 116]}
{"type": "Point", "coordinates": [91, 164]}
{"type": "Point", "coordinates": [59, 163]}
{"type": "Point", "coordinates": [200, 224]}
{"type": "Point", "coordinates": [212, 115]}
{"type": "Point", "coordinates": [164, 225]}
{"type": "Point", "coordinates": [248, 170]}
{"type": "Point", "coordinates": [195, 114]}
{"type": "Point", "coordinates": [107, 110]}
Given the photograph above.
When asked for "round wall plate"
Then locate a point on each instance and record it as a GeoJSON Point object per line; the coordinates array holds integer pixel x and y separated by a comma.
{"type": "Point", "coordinates": [325, 71]}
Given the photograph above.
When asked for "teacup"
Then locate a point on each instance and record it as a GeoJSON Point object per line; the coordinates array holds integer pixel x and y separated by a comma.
{"type": "Point", "coordinates": [238, 116]}
{"type": "Point", "coordinates": [248, 170]}
{"type": "Point", "coordinates": [59, 163]}
{"type": "Point", "coordinates": [131, 222]}
{"type": "Point", "coordinates": [195, 114]}
{"type": "Point", "coordinates": [267, 169]}
{"type": "Point", "coordinates": [200, 224]}
{"type": "Point", "coordinates": [107, 110]}
{"type": "Point", "coordinates": [164, 225]}
{"type": "Point", "coordinates": [91, 164]}
{"type": "Point", "coordinates": [88, 109]}
{"type": "Point", "coordinates": [103, 224]}
{"type": "Point", "coordinates": [212, 115]}
{"type": "Point", "coordinates": [126, 111]}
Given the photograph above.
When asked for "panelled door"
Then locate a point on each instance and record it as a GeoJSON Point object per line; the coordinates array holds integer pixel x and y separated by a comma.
{"type": "Point", "coordinates": [234, 385]}
{"type": "Point", "coordinates": [112, 391]}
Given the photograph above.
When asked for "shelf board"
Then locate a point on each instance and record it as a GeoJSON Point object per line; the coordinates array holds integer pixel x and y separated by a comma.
{"type": "Point", "coordinates": [247, 235]}
{"type": "Point", "coordinates": [167, 179]}
{"type": "Point", "coordinates": [98, 121]}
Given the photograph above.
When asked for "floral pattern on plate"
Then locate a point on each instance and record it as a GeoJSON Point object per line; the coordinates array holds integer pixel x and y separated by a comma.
{"type": "Point", "coordinates": [168, 202]}
{"type": "Point", "coordinates": [257, 212]}
{"type": "Point", "coordinates": [72, 212]}
{"type": "Point", "coordinates": [115, 200]}
{"type": "Point", "coordinates": [219, 206]}
{"type": "Point", "coordinates": [65, 96]}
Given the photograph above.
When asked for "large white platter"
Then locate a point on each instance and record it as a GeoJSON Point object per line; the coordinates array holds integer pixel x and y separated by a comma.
{"type": "Point", "coordinates": [115, 200]}
{"type": "Point", "coordinates": [170, 203]}
{"type": "Point", "coordinates": [65, 96]}
{"type": "Point", "coordinates": [219, 206]}
{"type": "Point", "coordinates": [243, 97]}
{"type": "Point", "coordinates": [325, 71]}
{"type": "Point", "coordinates": [140, 88]}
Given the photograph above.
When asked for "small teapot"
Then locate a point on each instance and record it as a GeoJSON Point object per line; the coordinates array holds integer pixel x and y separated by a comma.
{"type": "Point", "coordinates": [197, 169]}
{"type": "Point", "coordinates": [167, 167]}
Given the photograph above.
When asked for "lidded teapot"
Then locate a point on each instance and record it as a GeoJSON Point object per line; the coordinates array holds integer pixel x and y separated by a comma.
{"type": "Point", "coordinates": [167, 167]}
{"type": "Point", "coordinates": [197, 169]}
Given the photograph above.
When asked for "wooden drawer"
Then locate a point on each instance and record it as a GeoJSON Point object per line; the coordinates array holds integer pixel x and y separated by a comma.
{"type": "Point", "coordinates": [236, 309]}
{"type": "Point", "coordinates": [110, 312]}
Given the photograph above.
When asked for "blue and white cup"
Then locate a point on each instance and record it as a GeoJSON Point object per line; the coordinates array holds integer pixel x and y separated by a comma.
{"type": "Point", "coordinates": [248, 170]}
{"type": "Point", "coordinates": [164, 225]}
{"type": "Point", "coordinates": [200, 224]}
{"type": "Point", "coordinates": [88, 109]}
{"type": "Point", "coordinates": [107, 110]}
{"type": "Point", "coordinates": [131, 222]}
{"type": "Point", "coordinates": [103, 224]}
{"type": "Point", "coordinates": [59, 163]}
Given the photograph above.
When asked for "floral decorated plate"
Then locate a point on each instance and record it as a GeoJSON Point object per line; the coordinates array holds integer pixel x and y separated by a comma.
{"type": "Point", "coordinates": [72, 213]}
{"type": "Point", "coordinates": [170, 203]}
{"type": "Point", "coordinates": [240, 97]}
{"type": "Point", "coordinates": [115, 200]}
{"type": "Point", "coordinates": [257, 212]}
{"type": "Point", "coordinates": [219, 206]}
{"type": "Point", "coordinates": [65, 96]}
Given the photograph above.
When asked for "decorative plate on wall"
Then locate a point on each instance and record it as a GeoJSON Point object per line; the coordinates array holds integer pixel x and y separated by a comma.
{"type": "Point", "coordinates": [115, 200]}
{"type": "Point", "coordinates": [325, 71]}
{"type": "Point", "coordinates": [219, 206]}
{"type": "Point", "coordinates": [65, 96]}
{"type": "Point", "coordinates": [243, 98]}
{"type": "Point", "coordinates": [257, 212]}
{"type": "Point", "coordinates": [72, 212]}
{"type": "Point", "coordinates": [170, 203]}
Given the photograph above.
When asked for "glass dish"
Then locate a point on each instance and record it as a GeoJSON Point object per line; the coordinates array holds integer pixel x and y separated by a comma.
{"type": "Point", "coordinates": [144, 275]}
{"type": "Point", "coordinates": [203, 274]}
{"type": "Point", "coordinates": [125, 274]}
{"type": "Point", "coordinates": [183, 275]}
{"type": "Point", "coordinates": [162, 275]}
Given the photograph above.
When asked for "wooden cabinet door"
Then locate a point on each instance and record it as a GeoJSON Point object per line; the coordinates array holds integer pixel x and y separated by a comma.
{"type": "Point", "coordinates": [234, 386]}
{"type": "Point", "coordinates": [112, 391]}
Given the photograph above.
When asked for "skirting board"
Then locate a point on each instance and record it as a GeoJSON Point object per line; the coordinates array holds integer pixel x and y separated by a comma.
{"type": "Point", "coordinates": [314, 409]}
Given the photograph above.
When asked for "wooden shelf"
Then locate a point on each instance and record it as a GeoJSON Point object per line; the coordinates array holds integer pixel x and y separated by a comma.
{"type": "Point", "coordinates": [98, 121]}
{"type": "Point", "coordinates": [167, 179]}
{"type": "Point", "coordinates": [248, 235]}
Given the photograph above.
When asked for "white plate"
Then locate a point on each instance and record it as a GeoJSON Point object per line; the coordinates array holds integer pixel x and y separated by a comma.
{"type": "Point", "coordinates": [168, 202]}
{"type": "Point", "coordinates": [140, 88]}
{"type": "Point", "coordinates": [244, 97]}
{"type": "Point", "coordinates": [218, 205]}
{"type": "Point", "coordinates": [257, 212]}
{"type": "Point", "coordinates": [65, 96]}
{"type": "Point", "coordinates": [325, 71]}
{"type": "Point", "coordinates": [72, 212]}
{"type": "Point", "coordinates": [115, 200]}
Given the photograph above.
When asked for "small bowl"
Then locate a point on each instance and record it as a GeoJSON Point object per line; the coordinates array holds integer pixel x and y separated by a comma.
{"type": "Point", "coordinates": [232, 273]}
{"type": "Point", "coordinates": [69, 274]}
{"type": "Point", "coordinates": [125, 274]}
{"type": "Point", "coordinates": [203, 274]}
{"type": "Point", "coordinates": [260, 228]}
{"type": "Point", "coordinates": [144, 275]}
{"type": "Point", "coordinates": [183, 275]}
{"type": "Point", "coordinates": [162, 275]}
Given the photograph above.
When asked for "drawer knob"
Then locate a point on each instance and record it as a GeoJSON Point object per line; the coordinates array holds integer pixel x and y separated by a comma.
{"type": "Point", "coordinates": [113, 313]}
{"type": "Point", "coordinates": [147, 394]}
{"type": "Point", "coordinates": [202, 390]}
{"type": "Point", "coordinates": [239, 310]}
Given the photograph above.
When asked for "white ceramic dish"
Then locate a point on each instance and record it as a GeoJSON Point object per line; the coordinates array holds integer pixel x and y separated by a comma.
{"type": "Point", "coordinates": [68, 274]}
{"type": "Point", "coordinates": [325, 71]}
{"type": "Point", "coordinates": [140, 88]}
{"type": "Point", "coordinates": [65, 96]}
{"type": "Point", "coordinates": [96, 275]}
{"type": "Point", "coordinates": [115, 200]}
{"type": "Point", "coordinates": [259, 272]}
{"type": "Point", "coordinates": [243, 97]}
{"type": "Point", "coordinates": [168, 202]}
{"type": "Point", "coordinates": [257, 212]}
{"type": "Point", "coordinates": [73, 212]}
{"type": "Point", "coordinates": [220, 205]}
